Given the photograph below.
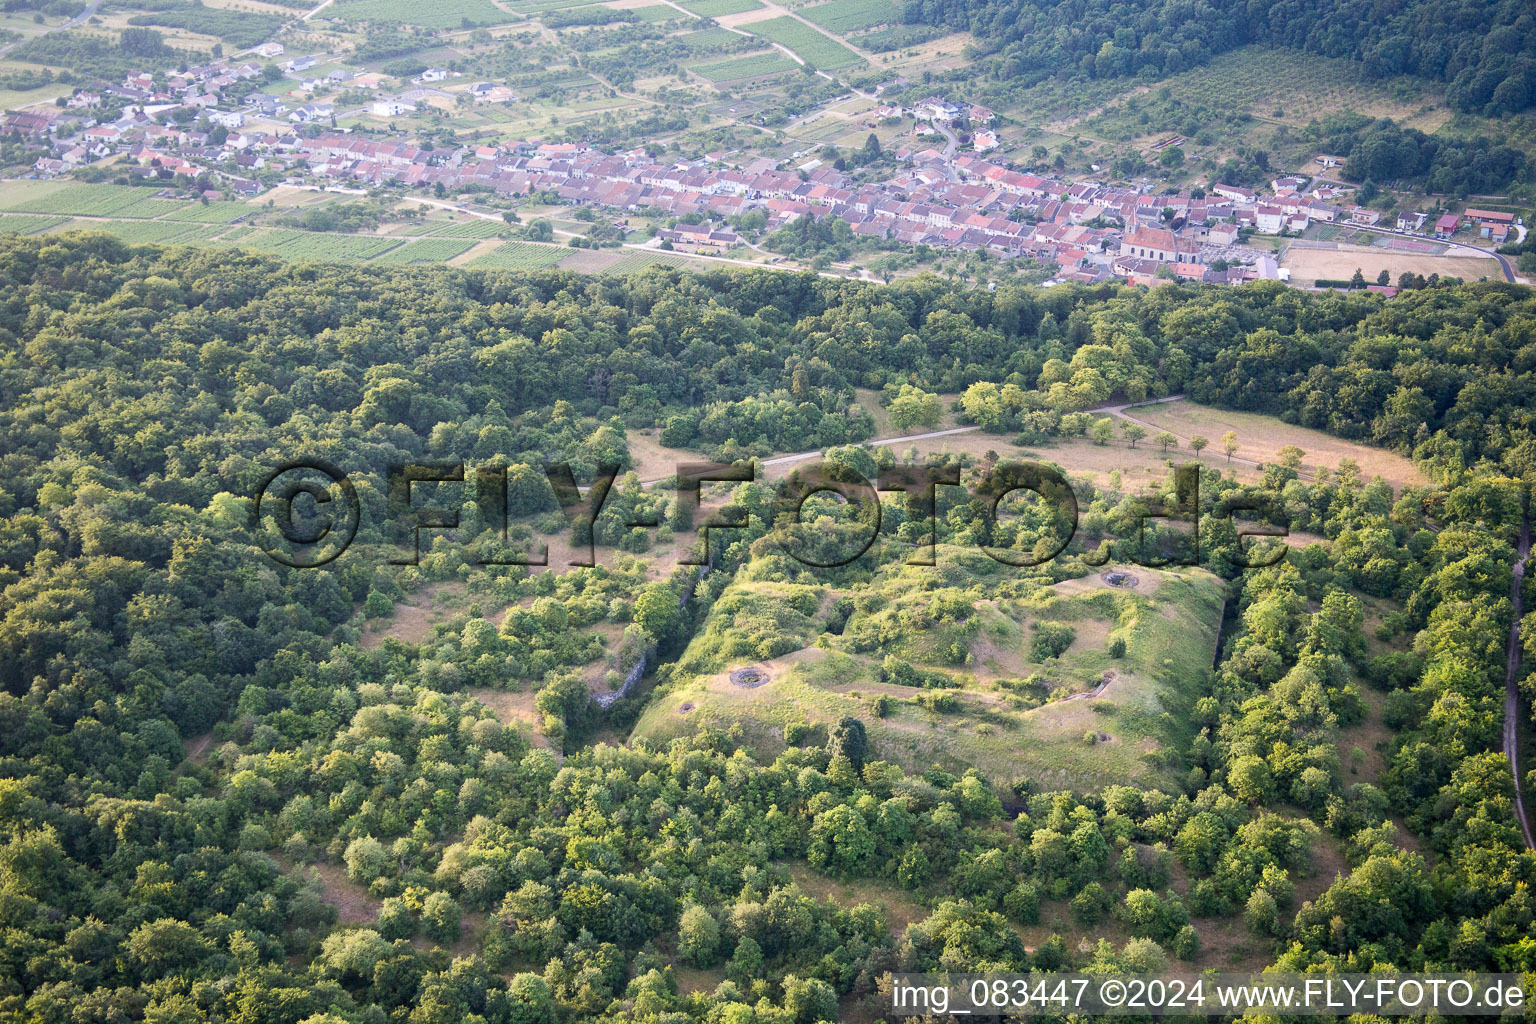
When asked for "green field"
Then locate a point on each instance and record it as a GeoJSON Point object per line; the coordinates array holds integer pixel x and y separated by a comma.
{"type": "Point", "coordinates": [708, 40]}
{"type": "Point", "coordinates": [753, 65]}
{"type": "Point", "coordinates": [27, 225]}
{"type": "Point", "coordinates": [85, 200]}
{"type": "Point", "coordinates": [468, 229]}
{"type": "Point", "coordinates": [635, 261]}
{"type": "Point", "coordinates": [815, 49]}
{"type": "Point", "coordinates": [1012, 715]}
{"type": "Point", "coordinates": [520, 256]}
{"type": "Point", "coordinates": [720, 8]}
{"type": "Point", "coordinates": [139, 231]}
{"type": "Point", "coordinates": [428, 15]}
{"type": "Point", "coordinates": [656, 12]}
{"type": "Point", "coordinates": [427, 250]}
{"type": "Point", "coordinates": [213, 213]}
{"type": "Point", "coordinates": [844, 16]}
{"type": "Point", "coordinates": [312, 245]}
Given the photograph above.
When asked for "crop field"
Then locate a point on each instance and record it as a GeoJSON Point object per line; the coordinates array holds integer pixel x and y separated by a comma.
{"type": "Point", "coordinates": [428, 15]}
{"type": "Point", "coordinates": [213, 213]}
{"type": "Point", "coordinates": [590, 261]}
{"type": "Point", "coordinates": [720, 8]}
{"type": "Point", "coordinates": [1282, 85]}
{"type": "Point", "coordinates": [634, 262]}
{"type": "Point", "coordinates": [312, 245]}
{"type": "Point", "coordinates": [520, 256]}
{"type": "Point", "coordinates": [134, 232]}
{"type": "Point", "coordinates": [708, 40]}
{"type": "Point", "coordinates": [843, 16]}
{"type": "Point", "coordinates": [656, 12]}
{"type": "Point", "coordinates": [1309, 265]}
{"type": "Point", "coordinates": [815, 49]}
{"type": "Point", "coordinates": [427, 250]}
{"type": "Point", "coordinates": [534, 7]}
{"type": "Point", "coordinates": [469, 229]}
{"type": "Point", "coordinates": [87, 201]}
{"type": "Point", "coordinates": [23, 224]}
{"type": "Point", "coordinates": [754, 65]}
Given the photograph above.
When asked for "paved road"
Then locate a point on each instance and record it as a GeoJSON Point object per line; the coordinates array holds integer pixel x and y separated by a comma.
{"type": "Point", "coordinates": [1511, 682]}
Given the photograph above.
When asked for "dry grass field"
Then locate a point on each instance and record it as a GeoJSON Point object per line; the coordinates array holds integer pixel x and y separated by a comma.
{"type": "Point", "coordinates": [1309, 265]}
{"type": "Point", "coordinates": [1261, 437]}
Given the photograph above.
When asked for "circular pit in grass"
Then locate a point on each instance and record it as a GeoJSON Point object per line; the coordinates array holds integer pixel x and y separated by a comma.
{"type": "Point", "coordinates": [1121, 579]}
{"type": "Point", "coordinates": [750, 677]}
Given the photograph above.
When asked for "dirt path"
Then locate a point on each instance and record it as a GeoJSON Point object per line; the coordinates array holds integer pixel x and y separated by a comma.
{"type": "Point", "coordinates": [1511, 682]}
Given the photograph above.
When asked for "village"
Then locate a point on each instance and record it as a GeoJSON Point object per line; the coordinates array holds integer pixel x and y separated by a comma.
{"type": "Point", "coordinates": [244, 136]}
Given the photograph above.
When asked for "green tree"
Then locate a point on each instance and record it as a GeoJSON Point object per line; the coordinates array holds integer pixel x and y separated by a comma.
{"type": "Point", "coordinates": [698, 936]}
{"type": "Point", "coordinates": [657, 610]}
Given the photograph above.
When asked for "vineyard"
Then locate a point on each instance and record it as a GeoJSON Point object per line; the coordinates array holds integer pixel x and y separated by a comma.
{"type": "Point", "coordinates": [633, 262]}
{"type": "Point", "coordinates": [213, 213]}
{"type": "Point", "coordinates": [470, 229]}
{"type": "Point", "coordinates": [720, 8]}
{"type": "Point", "coordinates": [427, 250]}
{"type": "Point", "coordinates": [22, 224]}
{"type": "Point", "coordinates": [843, 16]}
{"type": "Point", "coordinates": [312, 245]}
{"type": "Point", "coordinates": [459, 14]}
{"type": "Point", "coordinates": [92, 201]}
{"type": "Point", "coordinates": [753, 65]}
{"type": "Point", "coordinates": [815, 49]}
{"type": "Point", "coordinates": [655, 13]}
{"type": "Point", "coordinates": [135, 232]}
{"type": "Point", "coordinates": [520, 256]}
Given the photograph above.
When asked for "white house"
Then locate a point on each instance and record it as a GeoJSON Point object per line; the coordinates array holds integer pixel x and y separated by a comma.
{"type": "Point", "coordinates": [390, 108]}
{"type": "Point", "coordinates": [433, 75]}
{"type": "Point", "coordinates": [229, 119]}
{"type": "Point", "coordinates": [269, 50]}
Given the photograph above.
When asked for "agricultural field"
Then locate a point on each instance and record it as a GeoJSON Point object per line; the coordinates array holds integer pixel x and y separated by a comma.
{"type": "Point", "coordinates": [465, 229]}
{"type": "Point", "coordinates": [85, 200]}
{"type": "Point", "coordinates": [135, 232]}
{"type": "Point", "coordinates": [844, 16]}
{"type": "Point", "coordinates": [427, 250]}
{"type": "Point", "coordinates": [635, 260]}
{"type": "Point", "coordinates": [410, 12]}
{"type": "Point", "coordinates": [520, 256]}
{"type": "Point", "coordinates": [708, 40]}
{"type": "Point", "coordinates": [754, 65]}
{"type": "Point", "coordinates": [1309, 265]}
{"type": "Point", "coordinates": [815, 49]}
{"type": "Point", "coordinates": [213, 213]}
{"type": "Point", "coordinates": [970, 690]}
{"type": "Point", "coordinates": [313, 245]}
{"type": "Point", "coordinates": [653, 13]}
{"type": "Point", "coordinates": [720, 8]}
{"type": "Point", "coordinates": [24, 224]}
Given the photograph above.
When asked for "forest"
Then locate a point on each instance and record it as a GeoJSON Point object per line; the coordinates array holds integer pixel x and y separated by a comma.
{"type": "Point", "coordinates": [1482, 51]}
{"type": "Point", "coordinates": [198, 750]}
